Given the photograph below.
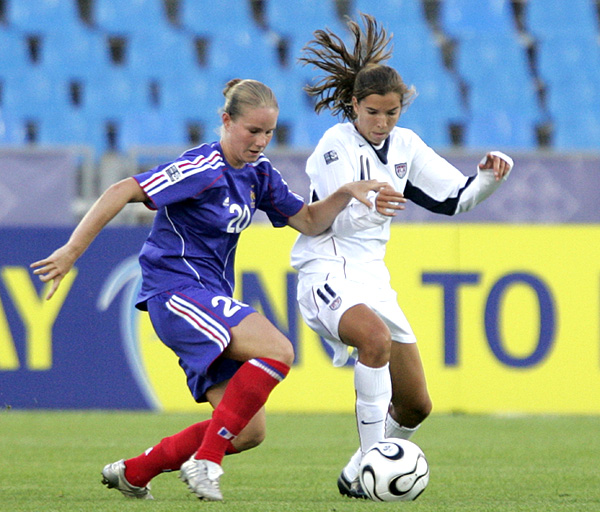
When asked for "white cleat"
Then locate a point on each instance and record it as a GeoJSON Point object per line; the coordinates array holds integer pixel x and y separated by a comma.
{"type": "Point", "coordinates": [113, 476]}
{"type": "Point", "coordinates": [202, 478]}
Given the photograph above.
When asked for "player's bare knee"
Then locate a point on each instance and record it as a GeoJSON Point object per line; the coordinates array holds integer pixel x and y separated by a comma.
{"type": "Point", "coordinates": [413, 413]}
{"type": "Point", "coordinates": [419, 411]}
{"type": "Point", "coordinates": [374, 350]}
{"type": "Point", "coordinates": [284, 353]}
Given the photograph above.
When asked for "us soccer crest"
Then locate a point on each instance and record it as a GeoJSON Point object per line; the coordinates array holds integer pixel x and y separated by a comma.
{"type": "Point", "coordinates": [400, 170]}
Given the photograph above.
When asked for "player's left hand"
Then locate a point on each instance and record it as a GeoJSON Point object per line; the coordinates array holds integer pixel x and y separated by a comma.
{"type": "Point", "coordinates": [498, 162]}
{"type": "Point", "coordinates": [389, 200]}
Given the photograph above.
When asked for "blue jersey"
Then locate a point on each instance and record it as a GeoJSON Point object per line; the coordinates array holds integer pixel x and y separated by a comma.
{"type": "Point", "coordinates": [203, 204]}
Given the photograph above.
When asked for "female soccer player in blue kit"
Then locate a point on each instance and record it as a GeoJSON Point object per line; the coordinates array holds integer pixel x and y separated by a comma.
{"type": "Point", "coordinates": [344, 289]}
{"type": "Point", "coordinates": [232, 356]}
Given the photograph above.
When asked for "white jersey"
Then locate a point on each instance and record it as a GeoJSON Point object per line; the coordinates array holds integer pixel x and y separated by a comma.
{"type": "Point", "coordinates": [354, 247]}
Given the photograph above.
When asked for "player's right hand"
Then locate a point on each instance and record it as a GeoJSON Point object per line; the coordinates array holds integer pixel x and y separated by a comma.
{"type": "Point", "coordinates": [54, 267]}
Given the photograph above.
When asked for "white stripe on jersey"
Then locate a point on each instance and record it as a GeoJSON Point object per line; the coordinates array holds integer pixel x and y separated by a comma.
{"type": "Point", "coordinates": [161, 180]}
{"type": "Point", "coordinates": [199, 320]}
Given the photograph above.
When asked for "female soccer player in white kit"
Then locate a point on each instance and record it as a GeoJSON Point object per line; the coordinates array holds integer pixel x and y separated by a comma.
{"type": "Point", "coordinates": [232, 356]}
{"type": "Point", "coordinates": [344, 287]}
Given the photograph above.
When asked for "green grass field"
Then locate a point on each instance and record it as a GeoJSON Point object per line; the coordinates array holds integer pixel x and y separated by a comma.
{"type": "Point", "coordinates": [51, 461]}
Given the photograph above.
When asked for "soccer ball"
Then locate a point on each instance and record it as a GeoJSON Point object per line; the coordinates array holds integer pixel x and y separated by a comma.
{"type": "Point", "coordinates": [394, 470]}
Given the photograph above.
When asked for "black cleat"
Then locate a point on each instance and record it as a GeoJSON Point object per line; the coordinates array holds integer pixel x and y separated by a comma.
{"type": "Point", "coordinates": [350, 489]}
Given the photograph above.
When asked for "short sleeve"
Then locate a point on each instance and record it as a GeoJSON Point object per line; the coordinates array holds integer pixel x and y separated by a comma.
{"type": "Point", "coordinates": [188, 176]}
{"type": "Point", "coordinates": [278, 201]}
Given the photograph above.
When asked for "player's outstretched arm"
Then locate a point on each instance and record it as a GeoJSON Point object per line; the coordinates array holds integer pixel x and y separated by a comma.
{"type": "Point", "coordinates": [59, 263]}
{"type": "Point", "coordinates": [315, 218]}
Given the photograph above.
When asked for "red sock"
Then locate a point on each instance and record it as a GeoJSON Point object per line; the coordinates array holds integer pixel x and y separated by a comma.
{"type": "Point", "coordinates": [245, 394]}
{"type": "Point", "coordinates": [168, 455]}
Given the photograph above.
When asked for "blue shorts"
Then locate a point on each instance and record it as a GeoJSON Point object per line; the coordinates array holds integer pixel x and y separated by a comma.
{"type": "Point", "coordinates": [196, 324]}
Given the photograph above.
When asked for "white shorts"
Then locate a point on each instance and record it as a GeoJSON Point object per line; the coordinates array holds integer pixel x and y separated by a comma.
{"type": "Point", "coordinates": [323, 305]}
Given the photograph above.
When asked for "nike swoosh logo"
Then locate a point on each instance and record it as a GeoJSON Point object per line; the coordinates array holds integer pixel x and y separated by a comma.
{"type": "Point", "coordinates": [360, 145]}
{"type": "Point", "coordinates": [370, 422]}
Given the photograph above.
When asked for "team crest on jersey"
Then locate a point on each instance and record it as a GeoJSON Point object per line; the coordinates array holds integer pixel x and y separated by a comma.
{"type": "Point", "coordinates": [336, 303]}
{"type": "Point", "coordinates": [173, 173]}
{"type": "Point", "coordinates": [400, 170]}
{"type": "Point", "coordinates": [330, 156]}
{"type": "Point", "coordinates": [252, 197]}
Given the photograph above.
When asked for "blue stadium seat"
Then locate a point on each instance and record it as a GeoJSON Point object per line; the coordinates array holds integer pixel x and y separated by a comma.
{"type": "Point", "coordinates": [246, 53]}
{"type": "Point", "coordinates": [213, 18]}
{"type": "Point", "coordinates": [574, 106]}
{"type": "Point", "coordinates": [195, 97]}
{"type": "Point", "coordinates": [76, 53]}
{"type": "Point", "coordinates": [71, 127]}
{"type": "Point", "coordinates": [547, 18]}
{"type": "Point", "coordinates": [13, 52]}
{"type": "Point", "coordinates": [296, 22]}
{"type": "Point", "coordinates": [428, 123]}
{"type": "Point", "coordinates": [435, 109]}
{"type": "Point", "coordinates": [500, 128]}
{"type": "Point", "coordinates": [501, 86]}
{"type": "Point", "coordinates": [29, 93]}
{"type": "Point", "coordinates": [565, 96]}
{"type": "Point", "coordinates": [149, 127]}
{"type": "Point", "coordinates": [42, 16]}
{"type": "Point", "coordinates": [569, 66]}
{"type": "Point", "coordinates": [567, 57]}
{"type": "Point", "coordinates": [460, 18]}
{"type": "Point", "coordinates": [398, 16]}
{"type": "Point", "coordinates": [310, 127]}
{"type": "Point", "coordinates": [502, 95]}
{"type": "Point", "coordinates": [419, 62]}
{"type": "Point", "coordinates": [486, 57]}
{"type": "Point", "coordinates": [302, 18]}
{"type": "Point", "coordinates": [128, 17]}
{"type": "Point", "coordinates": [580, 131]}
{"type": "Point", "coordinates": [161, 53]}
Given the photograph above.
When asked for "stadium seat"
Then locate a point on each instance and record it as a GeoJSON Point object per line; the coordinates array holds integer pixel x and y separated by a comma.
{"type": "Point", "coordinates": [397, 16]}
{"type": "Point", "coordinates": [500, 128]}
{"type": "Point", "coordinates": [70, 127]}
{"type": "Point", "coordinates": [213, 18]}
{"type": "Point", "coordinates": [500, 82]}
{"type": "Point", "coordinates": [567, 57]}
{"type": "Point", "coordinates": [13, 52]}
{"type": "Point", "coordinates": [302, 18]}
{"type": "Point", "coordinates": [419, 62]}
{"type": "Point", "coordinates": [161, 53]}
{"type": "Point", "coordinates": [128, 17]}
{"type": "Point", "coordinates": [578, 131]}
{"type": "Point", "coordinates": [547, 18]}
{"type": "Point", "coordinates": [61, 58]}
{"type": "Point", "coordinates": [487, 58]}
{"type": "Point", "coordinates": [195, 96]}
{"type": "Point", "coordinates": [29, 92]}
{"type": "Point", "coordinates": [246, 53]}
{"type": "Point", "coordinates": [296, 22]}
{"type": "Point", "coordinates": [42, 16]}
{"type": "Point", "coordinates": [427, 123]}
{"type": "Point", "coordinates": [309, 127]}
{"type": "Point", "coordinates": [460, 18]}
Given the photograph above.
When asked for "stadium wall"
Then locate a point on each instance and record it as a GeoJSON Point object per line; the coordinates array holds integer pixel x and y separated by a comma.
{"type": "Point", "coordinates": [507, 315]}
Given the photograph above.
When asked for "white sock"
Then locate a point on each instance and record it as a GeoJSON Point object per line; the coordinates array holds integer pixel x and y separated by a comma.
{"type": "Point", "coordinates": [393, 429]}
{"type": "Point", "coordinates": [351, 469]}
{"type": "Point", "coordinates": [373, 394]}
